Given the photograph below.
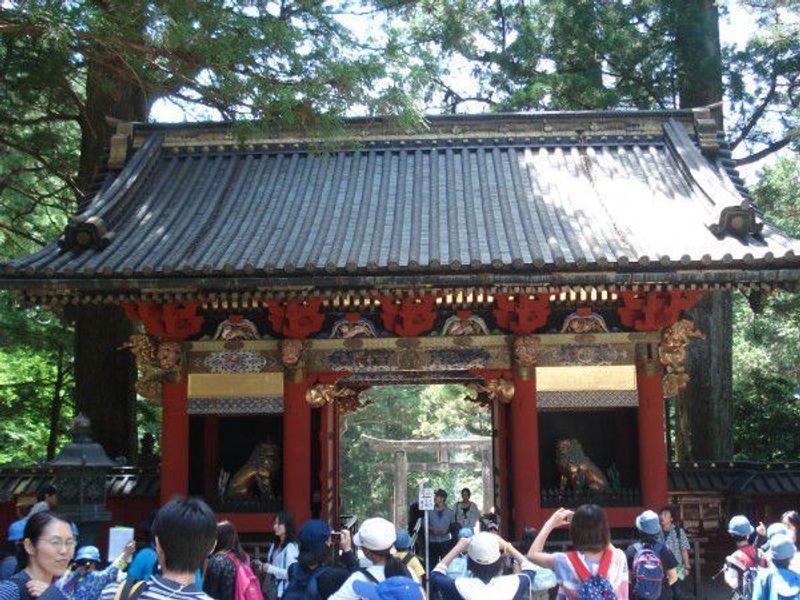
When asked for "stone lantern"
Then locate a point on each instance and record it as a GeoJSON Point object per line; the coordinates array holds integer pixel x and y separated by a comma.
{"type": "Point", "coordinates": [80, 473]}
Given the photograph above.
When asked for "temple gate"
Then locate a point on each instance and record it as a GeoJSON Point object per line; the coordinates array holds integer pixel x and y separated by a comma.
{"type": "Point", "coordinates": [544, 260]}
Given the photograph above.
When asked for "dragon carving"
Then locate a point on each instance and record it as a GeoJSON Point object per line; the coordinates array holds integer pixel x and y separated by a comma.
{"type": "Point", "coordinates": [491, 390]}
{"type": "Point", "coordinates": [672, 354]}
{"type": "Point", "coordinates": [577, 470]}
{"type": "Point", "coordinates": [158, 362]}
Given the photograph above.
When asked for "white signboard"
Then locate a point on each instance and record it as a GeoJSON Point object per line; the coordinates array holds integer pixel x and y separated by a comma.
{"type": "Point", "coordinates": [118, 537]}
{"type": "Point", "coordinates": [425, 498]}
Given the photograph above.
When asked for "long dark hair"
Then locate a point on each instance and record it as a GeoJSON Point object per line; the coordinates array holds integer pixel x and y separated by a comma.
{"type": "Point", "coordinates": [287, 520]}
{"type": "Point", "coordinates": [485, 572]}
{"type": "Point", "coordinates": [34, 529]}
{"type": "Point", "coordinates": [228, 541]}
{"type": "Point", "coordinates": [393, 566]}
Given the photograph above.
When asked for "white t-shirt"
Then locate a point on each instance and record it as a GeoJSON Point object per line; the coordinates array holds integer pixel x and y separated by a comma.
{"type": "Point", "coordinates": [346, 592]}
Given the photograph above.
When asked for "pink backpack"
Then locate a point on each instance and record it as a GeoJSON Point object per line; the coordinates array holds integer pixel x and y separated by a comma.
{"type": "Point", "coordinates": [247, 585]}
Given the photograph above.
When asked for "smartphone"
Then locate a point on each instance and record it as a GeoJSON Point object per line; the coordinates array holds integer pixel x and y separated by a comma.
{"type": "Point", "coordinates": [336, 537]}
{"type": "Point", "coordinates": [568, 518]}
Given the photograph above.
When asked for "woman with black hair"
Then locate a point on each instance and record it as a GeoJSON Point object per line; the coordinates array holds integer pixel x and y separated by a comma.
{"type": "Point", "coordinates": [47, 550]}
{"type": "Point", "coordinates": [281, 555]}
{"type": "Point", "coordinates": [220, 577]}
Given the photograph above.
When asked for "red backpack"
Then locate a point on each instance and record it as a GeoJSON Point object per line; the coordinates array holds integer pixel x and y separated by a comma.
{"type": "Point", "coordinates": [247, 585]}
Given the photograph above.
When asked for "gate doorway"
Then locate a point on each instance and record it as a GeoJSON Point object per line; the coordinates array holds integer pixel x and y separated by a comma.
{"type": "Point", "coordinates": [399, 437]}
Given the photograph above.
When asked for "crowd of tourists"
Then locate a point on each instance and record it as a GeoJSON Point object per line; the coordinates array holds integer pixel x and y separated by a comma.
{"type": "Point", "coordinates": [188, 555]}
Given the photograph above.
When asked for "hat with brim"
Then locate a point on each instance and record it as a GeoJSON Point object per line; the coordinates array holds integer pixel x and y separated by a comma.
{"type": "Point", "coordinates": [16, 531]}
{"type": "Point", "coordinates": [375, 534]}
{"type": "Point", "coordinates": [484, 548]}
{"type": "Point", "coordinates": [740, 526]}
{"type": "Point", "coordinates": [87, 554]}
{"type": "Point", "coordinates": [648, 523]}
{"type": "Point", "coordinates": [781, 547]}
{"type": "Point", "coordinates": [394, 588]}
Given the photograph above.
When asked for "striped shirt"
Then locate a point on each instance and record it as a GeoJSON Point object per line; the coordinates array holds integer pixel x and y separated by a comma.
{"type": "Point", "coordinates": [160, 588]}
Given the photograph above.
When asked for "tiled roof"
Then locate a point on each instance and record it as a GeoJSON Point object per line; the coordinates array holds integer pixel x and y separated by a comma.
{"type": "Point", "coordinates": [519, 203]}
{"type": "Point", "coordinates": [735, 477]}
{"type": "Point", "coordinates": [122, 481]}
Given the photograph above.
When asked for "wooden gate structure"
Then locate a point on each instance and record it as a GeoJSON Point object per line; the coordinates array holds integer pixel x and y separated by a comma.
{"type": "Point", "coordinates": [547, 259]}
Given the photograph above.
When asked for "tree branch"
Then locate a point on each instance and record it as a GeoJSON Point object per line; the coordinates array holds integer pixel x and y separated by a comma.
{"type": "Point", "coordinates": [773, 147]}
{"type": "Point", "coordinates": [23, 234]}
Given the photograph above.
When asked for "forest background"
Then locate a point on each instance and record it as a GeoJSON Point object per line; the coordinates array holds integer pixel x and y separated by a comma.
{"type": "Point", "coordinates": [66, 66]}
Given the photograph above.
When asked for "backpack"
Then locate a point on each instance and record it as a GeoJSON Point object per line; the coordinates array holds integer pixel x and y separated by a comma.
{"type": "Point", "coordinates": [593, 587]}
{"type": "Point", "coordinates": [130, 590]}
{"type": "Point", "coordinates": [247, 585]}
{"type": "Point", "coordinates": [741, 570]}
{"type": "Point", "coordinates": [302, 584]}
{"type": "Point", "coordinates": [648, 571]}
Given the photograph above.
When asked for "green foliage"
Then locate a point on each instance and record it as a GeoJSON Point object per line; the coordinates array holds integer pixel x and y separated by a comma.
{"type": "Point", "coordinates": [406, 412]}
{"type": "Point", "coordinates": [767, 343]}
{"type": "Point", "coordinates": [34, 345]}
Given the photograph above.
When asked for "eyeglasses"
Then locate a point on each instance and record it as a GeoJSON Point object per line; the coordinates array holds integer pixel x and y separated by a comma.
{"type": "Point", "coordinates": [60, 544]}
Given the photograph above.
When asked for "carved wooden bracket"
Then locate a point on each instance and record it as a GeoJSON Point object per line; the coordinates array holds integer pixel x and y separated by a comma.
{"type": "Point", "coordinates": [672, 355]}
{"type": "Point", "coordinates": [157, 362]}
{"type": "Point", "coordinates": [171, 321]}
{"type": "Point", "coordinates": [526, 355]}
{"type": "Point", "coordinates": [650, 311]}
{"type": "Point", "coordinates": [522, 314]}
{"type": "Point", "coordinates": [486, 393]}
{"type": "Point", "coordinates": [409, 317]}
{"type": "Point", "coordinates": [296, 318]}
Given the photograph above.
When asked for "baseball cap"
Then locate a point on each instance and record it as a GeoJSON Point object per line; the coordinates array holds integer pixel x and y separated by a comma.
{"type": "Point", "coordinates": [403, 541]}
{"type": "Point", "coordinates": [16, 531]}
{"type": "Point", "coordinates": [313, 534]}
{"type": "Point", "coordinates": [648, 523]}
{"type": "Point", "coordinates": [484, 548]}
{"type": "Point", "coordinates": [87, 554]}
{"type": "Point", "coordinates": [465, 532]}
{"type": "Point", "coordinates": [393, 588]}
{"type": "Point", "coordinates": [781, 547]}
{"type": "Point", "coordinates": [740, 525]}
{"type": "Point", "coordinates": [375, 534]}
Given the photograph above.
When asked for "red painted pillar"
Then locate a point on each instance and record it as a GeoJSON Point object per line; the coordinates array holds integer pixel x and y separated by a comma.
{"type": "Point", "coordinates": [652, 440]}
{"type": "Point", "coordinates": [296, 450]}
{"type": "Point", "coordinates": [525, 483]}
{"type": "Point", "coordinates": [174, 441]}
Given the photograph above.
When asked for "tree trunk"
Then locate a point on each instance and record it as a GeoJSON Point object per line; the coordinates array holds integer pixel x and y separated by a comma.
{"type": "Point", "coordinates": [697, 51]}
{"type": "Point", "coordinates": [703, 411]}
{"type": "Point", "coordinates": [55, 406]}
{"type": "Point", "coordinates": [704, 408]}
{"type": "Point", "coordinates": [104, 375]}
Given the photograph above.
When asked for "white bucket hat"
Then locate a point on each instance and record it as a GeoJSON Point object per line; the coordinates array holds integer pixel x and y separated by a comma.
{"type": "Point", "coordinates": [375, 534]}
{"type": "Point", "coordinates": [484, 548]}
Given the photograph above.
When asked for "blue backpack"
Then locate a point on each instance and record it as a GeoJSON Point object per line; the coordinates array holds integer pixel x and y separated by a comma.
{"type": "Point", "coordinates": [648, 572]}
{"type": "Point", "coordinates": [593, 587]}
{"type": "Point", "coordinates": [302, 584]}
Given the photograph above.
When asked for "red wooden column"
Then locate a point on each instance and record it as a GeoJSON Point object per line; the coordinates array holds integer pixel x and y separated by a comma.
{"type": "Point", "coordinates": [652, 441]}
{"type": "Point", "coordinates": [525, 482]}
{"type": "Point", "coordinates": [296, 450]}
{"type": "Point", "coordinates": [174, 441]}
{"type": "Point", "coordinates": [171, 322]}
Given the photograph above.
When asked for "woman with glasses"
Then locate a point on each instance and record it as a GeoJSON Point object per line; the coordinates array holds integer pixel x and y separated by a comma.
{"type": "Point", "coordinates": [48, 547]}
